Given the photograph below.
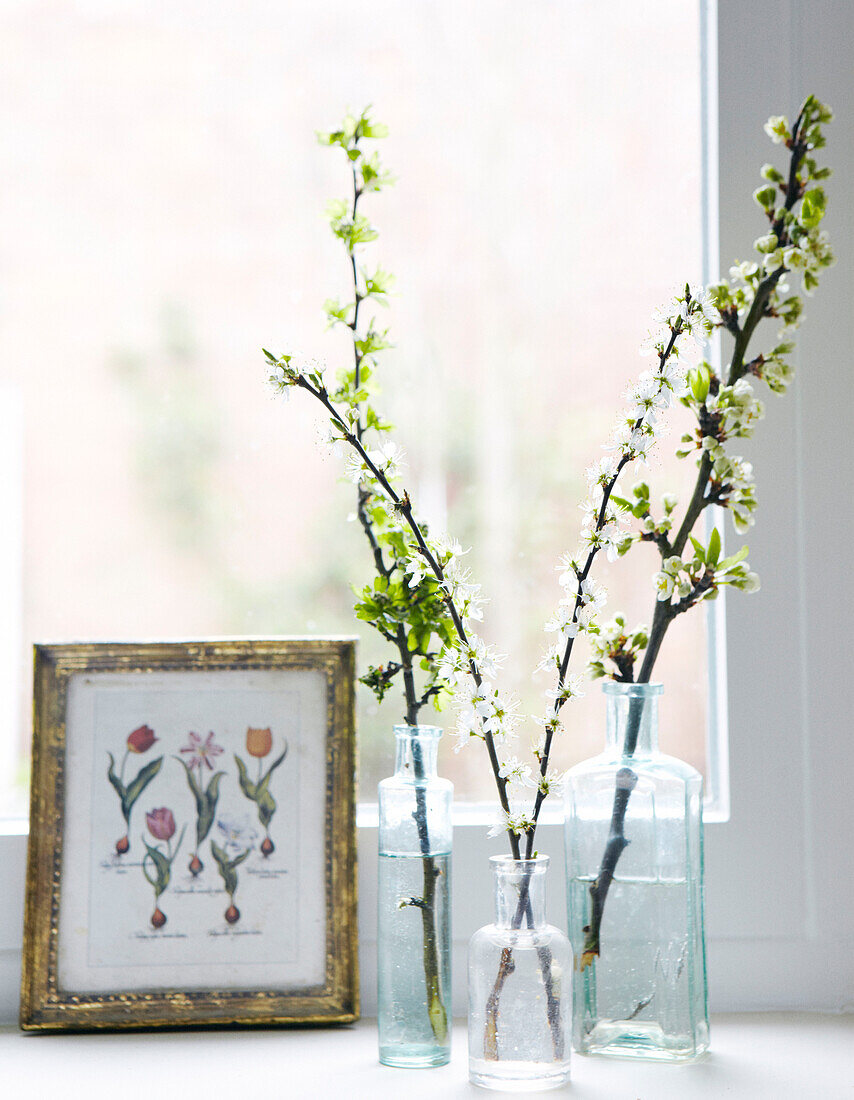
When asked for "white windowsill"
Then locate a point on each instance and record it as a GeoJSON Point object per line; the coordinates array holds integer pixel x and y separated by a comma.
{"type": "Point", "coordinates": [769, 1055]}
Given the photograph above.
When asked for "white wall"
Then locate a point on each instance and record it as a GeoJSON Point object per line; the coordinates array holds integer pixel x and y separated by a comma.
{"type": "Point", "coordinates": [780, 899]}
{"type": "Point", "coordinates": [780, 875]}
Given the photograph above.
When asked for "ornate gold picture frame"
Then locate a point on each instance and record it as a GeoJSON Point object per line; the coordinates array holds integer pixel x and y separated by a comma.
{"type": "Point", "coordinates": [192, 853]}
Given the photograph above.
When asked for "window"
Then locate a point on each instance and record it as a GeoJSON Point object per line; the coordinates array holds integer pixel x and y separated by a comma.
{"type": "Point", "coordinates": [780, 920]}
{"type": "Point", "coordinates": [164, 215]}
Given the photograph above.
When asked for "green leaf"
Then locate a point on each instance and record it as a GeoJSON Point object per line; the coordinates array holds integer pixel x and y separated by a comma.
{"type": "Point", "coordinates": [117, 783]}
{"type": "Point", "coordinates": [265, 781]}
{"type": "Point", "coordinates": [714, 551]}
{"type": "Point", "coordinates": [699, 549]}
{"type": "Point", "coordinates": [699, 380]}
{"type": "Point", "coordinates": [813, 207]}
{"type": "Point", "coordinates": [208, 811]}
{"type": "Point", "coordinates": [373, 129]}
{"type": "Point", "coordinates": [727, 564]}
{"type": "Point", "coordinates": [641, 490]}
{"type": "Point", "coordinates": [765, 196]}
{"type": "Point", "coordinates": [193, 783]}
{"type": "Point", "coordinates": [259, 792]}
{"type": "Point", "coordinates": [162, 868]}
{"type": "Point", "coordinates": [138, 785]}
{"type": "Point", "coordinates": [246, 784]}
{"type": "Point", "coordinates": [225, 868]}
{"type": "Point", "coordinates": [266, 808]}
{"type": "Point", "coordinates": [336, 311]}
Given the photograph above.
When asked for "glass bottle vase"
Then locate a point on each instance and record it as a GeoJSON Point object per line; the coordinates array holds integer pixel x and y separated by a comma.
{"type": "Point", "coordinates": [520, 978]}
{"type": "Point", "coordinates": [634, 867]}
{"type": "Point", "coordinates": [414, 905]}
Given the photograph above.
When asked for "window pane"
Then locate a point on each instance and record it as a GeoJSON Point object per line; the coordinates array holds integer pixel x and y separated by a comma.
{"type": "Point", "coordinates": [162, 200]}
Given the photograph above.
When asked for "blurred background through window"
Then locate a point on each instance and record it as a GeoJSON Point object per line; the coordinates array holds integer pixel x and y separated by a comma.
{"type": "Point", "coordinates": [162, 204]}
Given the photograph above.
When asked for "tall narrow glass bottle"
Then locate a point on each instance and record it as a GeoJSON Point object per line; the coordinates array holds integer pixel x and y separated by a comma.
{"type": "Point", "coordinates": [634, 858]}
{"type": "Point", "coordinates": [414, 900]}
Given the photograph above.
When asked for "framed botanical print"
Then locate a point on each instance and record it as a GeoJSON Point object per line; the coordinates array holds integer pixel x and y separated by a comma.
{"type": "Point", "coordinates": [192, 852]}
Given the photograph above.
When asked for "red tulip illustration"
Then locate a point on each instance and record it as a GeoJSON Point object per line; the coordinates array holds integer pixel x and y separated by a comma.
{"type": "Point", "coordinates": [138, 742]}
{"type": "Point", "coordinates": [141, 739]}
{"type": "Point", "coordinates": [161, 825]}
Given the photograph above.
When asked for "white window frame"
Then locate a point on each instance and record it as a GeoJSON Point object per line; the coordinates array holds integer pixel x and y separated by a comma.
{"type": "Point", "coordinates": [780, 918]}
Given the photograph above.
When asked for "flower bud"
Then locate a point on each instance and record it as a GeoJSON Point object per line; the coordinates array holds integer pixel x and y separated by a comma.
{"type": "Point", "coordinates": [161, 823]}
{"type": "Point", "coordinates": [259, 741]}
{"type": "Point", "coordinates": [141, 739]}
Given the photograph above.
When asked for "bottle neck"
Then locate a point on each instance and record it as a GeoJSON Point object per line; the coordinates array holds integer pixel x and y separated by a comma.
{"type": "Point", "coordinates": [416, 752]}
{"type": "Point", "coordinates": [632, 711]}
{"type": "Point", "coordinates": [520, 891]}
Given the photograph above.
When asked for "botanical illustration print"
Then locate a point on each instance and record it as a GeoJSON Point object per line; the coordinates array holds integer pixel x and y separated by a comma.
{"type": "Point", "coordinates": [148, 917]}
{"type": "Point", "coordinates": [138, 742]}
{"type": "Point", "coordinates": [201, 755]}
{"type": "Point", "coordinates": [156, 864]}
{"type": "Point", "coordinates": [259, 743]}
{"type": "Point", "coordinates": [238, 838]}
{"type": "Point", "coordinates": [236, 835]}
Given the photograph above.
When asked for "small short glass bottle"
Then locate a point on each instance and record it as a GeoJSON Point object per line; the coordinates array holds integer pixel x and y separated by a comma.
{"type": "Point", "coordinates": [634, 824]}
{"type": "Point", "coordinates": [414, 905]}
{"type": "Point", "coordinates": [520, 979]}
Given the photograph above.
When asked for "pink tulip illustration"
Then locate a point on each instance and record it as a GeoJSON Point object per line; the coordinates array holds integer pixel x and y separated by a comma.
{"type": "Point", "coordinates": [161, 825]}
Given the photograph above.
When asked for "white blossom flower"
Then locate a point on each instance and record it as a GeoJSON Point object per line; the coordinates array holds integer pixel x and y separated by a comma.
{"type": "Point", "coordinates": [706, 302]}
{"type": "Point", "coordinates": [673, 377]}
{"type": "Point", "coordinates": [515, 770]}
{"type": "Point", "coordinates": [601, 472]}
{"type": "Point", "coordinates": [355, 470]}
{"type": "Point", "coordinates": [517, 823]}
{"type": "Point", "coordinates": [592, 593]}
{"type": "Point", "coordinates": [417, 569]}
{"type": "Point", "coordinates": [389, 459]}
{"type": "Point", "coordinates": [777, 128]}
{"type": "Point", "coordinates": [550, 659]}
{"type": "Point", "coordinates": [563, 620]}
{"type": "Point", "coordinates": [744, 271]}
{"type": "Point", "coordinates": [654, 342]}
{"type": "Point", "coordinates": [551, 782]}
{"type": "Point", "coordinates": [664, 583]}
{"type": "Point", "coordinates": [572, 687]}
{"type": "Point", "coordinates": [446, 546]}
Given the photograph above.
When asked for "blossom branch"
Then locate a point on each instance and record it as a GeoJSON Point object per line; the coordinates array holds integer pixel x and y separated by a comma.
{"type": "Point", "coordinates": [664, 614]}
{"type": "Point", "coordinates": [403, 506]}
{"type": "Point", "coordinates": [724, 410]}
{"type": "Point", "coordinates": [602, 518]}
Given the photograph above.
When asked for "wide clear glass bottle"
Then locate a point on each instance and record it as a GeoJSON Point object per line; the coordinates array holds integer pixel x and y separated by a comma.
{"type": "Point", "coordinates": [414, 905]}
{"type": "Point", "coordinates": [520, 979]}
{"type": "Point", "coordinates": [634, 866]}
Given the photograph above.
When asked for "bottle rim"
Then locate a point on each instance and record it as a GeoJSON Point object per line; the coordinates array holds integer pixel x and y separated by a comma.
{"type": "Point", "coordinates": [632, 691]}
{"type": "Point", "coordinates": [403, 730]}
{"type": "Point", "coordinates": [534, 865]}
